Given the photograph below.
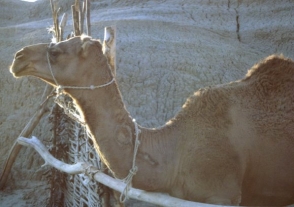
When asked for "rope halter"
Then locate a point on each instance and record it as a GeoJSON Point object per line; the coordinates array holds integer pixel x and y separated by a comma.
{"type": "Point", "coordinates": [60, 88]}
{"type": "Point", "coordinates": [60, 99]}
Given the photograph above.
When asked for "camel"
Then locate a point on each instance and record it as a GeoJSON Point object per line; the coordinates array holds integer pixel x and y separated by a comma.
{"type": "Point", "coordinates": [230, 144]}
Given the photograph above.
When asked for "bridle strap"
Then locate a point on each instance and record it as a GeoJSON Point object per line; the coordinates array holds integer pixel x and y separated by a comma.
{"type": "Point", "coordinates": [50, 68]}
{"type": "Point", "coordinates": [59, 87]}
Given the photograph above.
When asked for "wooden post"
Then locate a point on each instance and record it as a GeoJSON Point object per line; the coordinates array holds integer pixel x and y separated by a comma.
{"type": "Point", "coordinates": [80, 11]}
{"type": "Point", "coordinates": [55, 13]}
{"type": "Point", "coordinates": [62, 25]}
{"type": "Point", "coordinates": [88, 6]}
{"type": "Point", "coordinates": [75, 17]}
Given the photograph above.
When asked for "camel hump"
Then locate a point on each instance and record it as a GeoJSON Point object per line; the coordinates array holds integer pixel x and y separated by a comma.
{"type": "Point", "coordinates": [274, 67]}
{"type": "Point", "coordinates": [273, 75]}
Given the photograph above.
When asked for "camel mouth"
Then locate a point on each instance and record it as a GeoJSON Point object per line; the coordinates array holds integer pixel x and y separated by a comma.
{"type": "Point", "coordinates": [20, 64]}
{"type": "Point", "coordinates": [19, 69]}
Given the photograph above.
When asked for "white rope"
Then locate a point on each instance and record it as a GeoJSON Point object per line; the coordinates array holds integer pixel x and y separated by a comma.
{"type": "Point", "coordinates": [134, 169]}
{"type": "Point", "coordinates": [91, 87]}
{"type": "Point", "coordinates": [59, 87]}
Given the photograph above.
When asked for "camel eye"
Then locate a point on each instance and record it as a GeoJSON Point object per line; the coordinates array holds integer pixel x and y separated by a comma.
{"type": "Point", "coordinates": [54, 53]}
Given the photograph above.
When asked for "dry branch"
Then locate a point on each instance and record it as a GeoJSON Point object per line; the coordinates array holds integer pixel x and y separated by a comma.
{"type": "Point", "coordinates": [87, 9]}
{"type": "Point", "coordinates": [62, 25]}
{"type": "Point", "coordinates": [81, 16]}
{"type": "Point", "coordinates": [55, 13]}
{"type": "Point", "coordinates": [118, 185]}
{"type": "Point", "coordinates": [75, 17]}
{"type": "Point", "coordinates": [15, 149]}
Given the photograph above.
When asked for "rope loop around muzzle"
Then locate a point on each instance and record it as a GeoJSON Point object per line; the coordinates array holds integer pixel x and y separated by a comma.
{"type": "Point", "coordinates": [59, 88]}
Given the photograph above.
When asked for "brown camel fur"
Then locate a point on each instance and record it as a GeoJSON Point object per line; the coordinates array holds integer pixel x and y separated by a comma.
{"type": "Point", "coordinates": [231, 144]}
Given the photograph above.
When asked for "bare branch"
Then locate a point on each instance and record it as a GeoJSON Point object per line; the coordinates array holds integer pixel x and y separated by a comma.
{"type": "Point", "coordinates": [81, 16]}
{"type": "Point", "coordinates": [49, 159]}
{"type": "Point", "coordinates": [118, 185]}
{"type": "Point", "coordinates": [88, 5]}
{"type": "Point", "coordinates": [62, 25]}
{"type": "Point", "coordinates": [75, 17]}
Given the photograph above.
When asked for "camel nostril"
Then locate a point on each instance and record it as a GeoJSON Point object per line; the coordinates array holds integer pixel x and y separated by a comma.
{"type": "Point", "coordinates": [18, 55]}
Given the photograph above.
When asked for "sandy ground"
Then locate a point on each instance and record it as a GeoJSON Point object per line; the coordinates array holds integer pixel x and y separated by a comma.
{"type": "Point", "coordinates": [165, 51]}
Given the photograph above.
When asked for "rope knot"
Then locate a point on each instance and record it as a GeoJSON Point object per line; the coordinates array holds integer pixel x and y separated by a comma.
{"type": "Point", "coordinates": [128, 182]}
{"type": "Point", "coordinates": [59, 90]}
{"type": "Point", "coordinates": [91, 171]}
{"type": "Point", "coordinates": [134, 170]}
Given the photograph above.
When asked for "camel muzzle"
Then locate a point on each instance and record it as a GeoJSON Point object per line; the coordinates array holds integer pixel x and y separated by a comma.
{"type": "Point", "coordinates": [19, 64]}
{"type": "Point", "coordinates": [24, 58]}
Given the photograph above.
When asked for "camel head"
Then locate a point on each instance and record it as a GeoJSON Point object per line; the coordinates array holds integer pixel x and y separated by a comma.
{"type": "Point", "coordinates": [74, 62]}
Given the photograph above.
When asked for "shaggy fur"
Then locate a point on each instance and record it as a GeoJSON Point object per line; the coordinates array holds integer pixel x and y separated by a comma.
{"type": "Point", "coordinates": [231, 144]}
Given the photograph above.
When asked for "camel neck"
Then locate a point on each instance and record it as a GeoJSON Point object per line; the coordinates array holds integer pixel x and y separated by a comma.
{"type": "Point", "coordinates": [114, 131]}
{"type": "Point", "coordinates": [110, 124]}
